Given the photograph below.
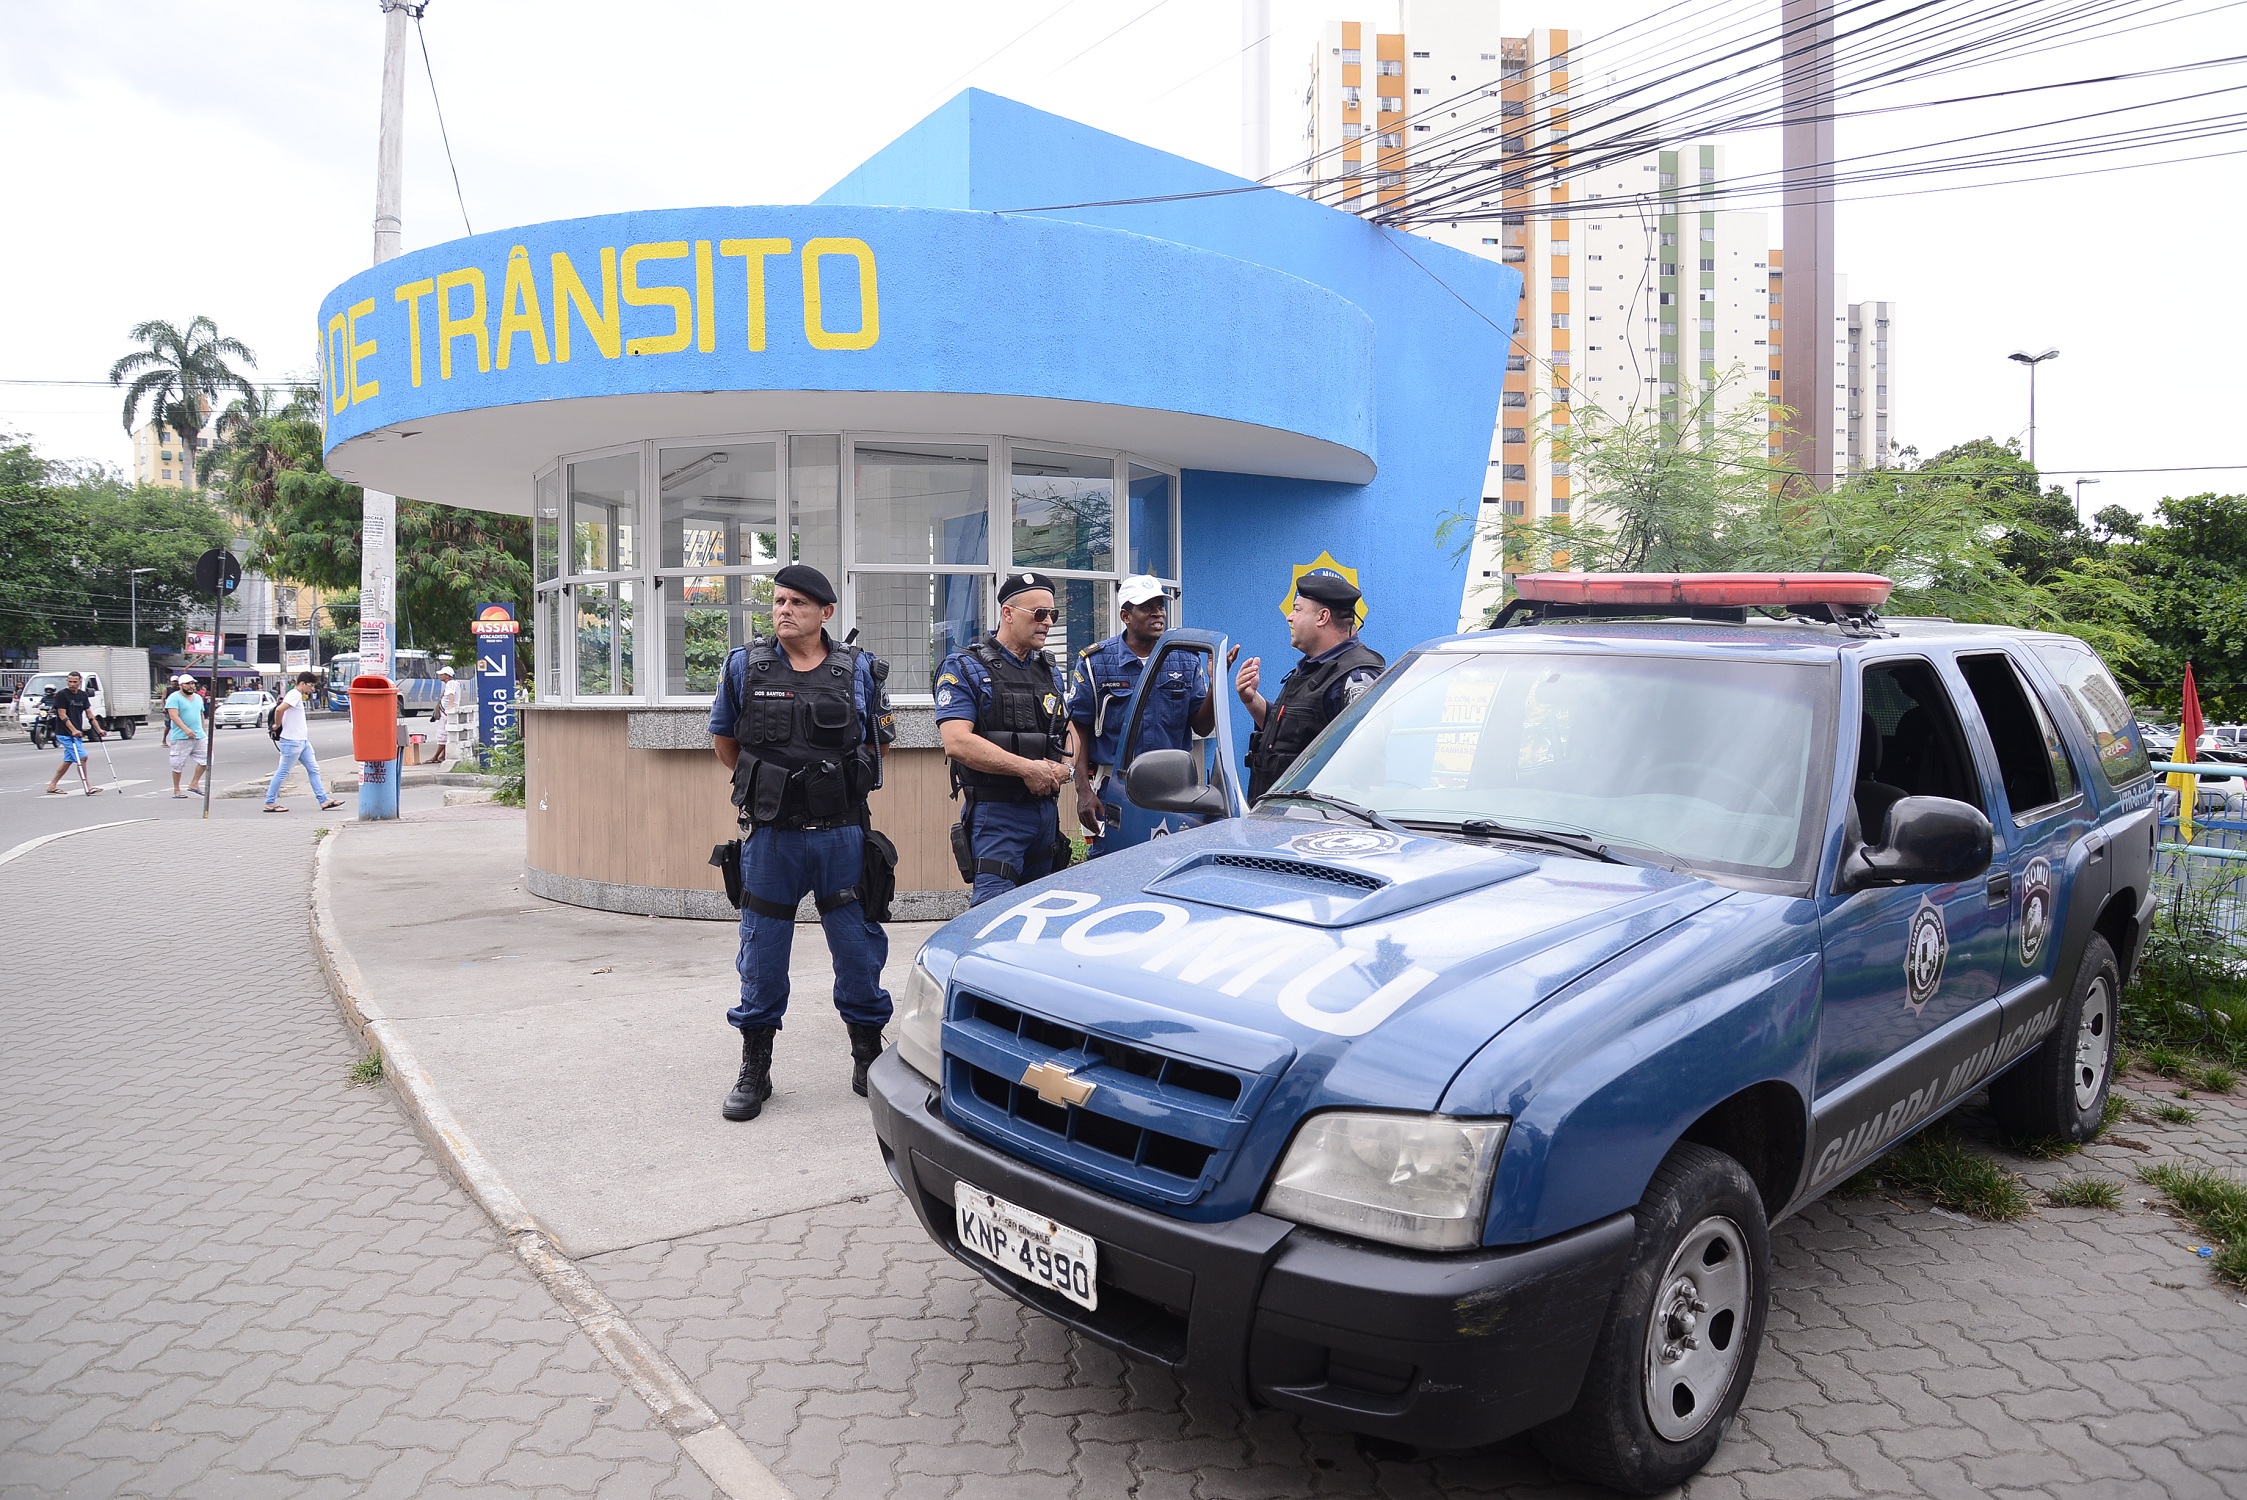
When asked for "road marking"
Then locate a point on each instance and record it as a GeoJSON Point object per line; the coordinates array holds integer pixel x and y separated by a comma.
{"type": "Point", "coordinates": [20, 850]}
{"type": "Point", "coordinates": [694, 1425]}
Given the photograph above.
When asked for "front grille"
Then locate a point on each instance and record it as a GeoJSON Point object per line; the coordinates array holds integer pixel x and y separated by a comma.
{"type": "Point", "coordinates": [1300, 869]}
{"type": "Point", "coordinates": [1155, 1125]}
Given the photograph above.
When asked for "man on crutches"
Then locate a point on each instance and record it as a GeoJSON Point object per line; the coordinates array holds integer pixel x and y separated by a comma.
{"type": "Point", "coordinates": [74, 725]}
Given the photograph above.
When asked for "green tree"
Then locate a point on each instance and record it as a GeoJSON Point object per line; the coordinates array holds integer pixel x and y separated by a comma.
{"type": "Point", "coordinates": [178, 373]}
{"type": "Point", "coordinates": [44, 595]}
{"type": "Point", "coordinates": [2187, 572]}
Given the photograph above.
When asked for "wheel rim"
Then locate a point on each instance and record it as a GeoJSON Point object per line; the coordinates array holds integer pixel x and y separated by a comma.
{"type": "Point", "coordinates": [1697, 1334]}
{"type": "Point", "coordinates": [2094, 1044]}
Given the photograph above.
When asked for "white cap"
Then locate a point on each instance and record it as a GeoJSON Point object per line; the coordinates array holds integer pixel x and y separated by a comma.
{"type": "Point", "coordinates": [444, 671]}
{"type": "Point", "coordinates": [1138, 589]}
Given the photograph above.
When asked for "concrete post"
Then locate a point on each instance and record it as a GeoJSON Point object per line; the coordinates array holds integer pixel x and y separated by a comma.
{"type": "Point", "coordinates": [1806, 339]}
{"type": "Point", "coordinates": [378, 525]}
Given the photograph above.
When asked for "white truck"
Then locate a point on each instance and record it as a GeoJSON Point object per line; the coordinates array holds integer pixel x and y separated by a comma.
{"type": "Point", "coordinates": [116, 678]}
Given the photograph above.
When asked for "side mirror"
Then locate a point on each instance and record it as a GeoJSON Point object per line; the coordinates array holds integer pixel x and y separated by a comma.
{"type": "Point", "coordinates": [1170, 781]}
{"type": "Point", "coordinates": [1931, 841]}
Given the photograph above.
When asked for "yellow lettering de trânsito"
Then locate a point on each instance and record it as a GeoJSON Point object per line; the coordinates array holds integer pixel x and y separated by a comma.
{"type": "Point", "coordinates": [754, 252]}
{"type": "Point", "coordinates": [673, 297]}
{"type": "Point", "coordinates": [570, 294]}
{"type": "Point", "coordinates": [339, 386]}
{"type": "Point", "coordinates": [411, 294]}
{"type": "Point", "coordinates": [361, 390]}
{"type": "Point", "coordinates": [869, 309]}
{"type": "Point", "coordinates": [475, 325]}
{"type": "Point", "coordinates": [519, 311]}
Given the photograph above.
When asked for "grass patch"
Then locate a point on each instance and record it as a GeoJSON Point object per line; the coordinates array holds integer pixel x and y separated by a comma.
{"type": "Point", "coordinates": [2044, 1147]}
{"type": "Point", "coordinates": [2165, 1060]}
{"type": "Point", "coordinates": [367, 1071]}
{"type": "Point", "coordinates": [1934, 1163]}
{"type": "Point", "coordinates": [320, 833]}
{"type": "Point", "coordinates": [2186, 1006]}
{"type": "Point", "coordinates": [2084, 1192]}
{"type": "Point", "coordinates": [2113, 1112]}
{"type": "Point", "coordinates": [2216, 1078]}
{"type": "Point", "coordinates": [2216, 1205]}
{"type": "Point", "coordinates": [2175, 1114]}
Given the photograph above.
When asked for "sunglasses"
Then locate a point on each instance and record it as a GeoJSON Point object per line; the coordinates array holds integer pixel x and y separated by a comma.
{"type": "Point", "coordinates": [1042, 616]}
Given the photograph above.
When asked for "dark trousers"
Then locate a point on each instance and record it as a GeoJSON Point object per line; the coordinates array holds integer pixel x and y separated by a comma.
{"type": "Point", "coordinates": [782, 866]}
{"type": "Point", "coordinates": [1021, 834]}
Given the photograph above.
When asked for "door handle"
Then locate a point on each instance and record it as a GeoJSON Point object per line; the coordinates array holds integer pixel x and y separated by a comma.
{"type": "Point", "coordinates": [2001, 888]}
{"type": "Point", "coordinates": [2094, 847]}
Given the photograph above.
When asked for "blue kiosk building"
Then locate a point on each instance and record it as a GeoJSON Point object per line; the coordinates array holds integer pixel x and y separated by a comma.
{"type": "Point", "coordinates": [1006, 340]}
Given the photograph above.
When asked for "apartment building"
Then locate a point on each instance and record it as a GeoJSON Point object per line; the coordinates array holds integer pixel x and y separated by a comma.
{"type": "Point", "coordinates": [1636, 288]}
{"type": "Point", "coordinates": [161, 457]}
{"type": "Point", "coordinates": [1871, 385]}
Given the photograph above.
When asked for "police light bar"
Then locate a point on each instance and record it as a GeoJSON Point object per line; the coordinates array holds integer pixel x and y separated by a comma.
{"type": "Point", "coordinates": [1856, 591]}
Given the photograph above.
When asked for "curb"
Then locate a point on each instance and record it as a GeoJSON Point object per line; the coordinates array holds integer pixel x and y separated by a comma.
{"type": "Point", "coordinates": [699, 1431]}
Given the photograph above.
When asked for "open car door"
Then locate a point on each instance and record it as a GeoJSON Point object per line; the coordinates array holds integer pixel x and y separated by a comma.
{"type": "Point", "coordinates": [1210, 771]}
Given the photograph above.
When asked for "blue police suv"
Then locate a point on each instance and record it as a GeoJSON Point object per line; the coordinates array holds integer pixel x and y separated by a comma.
{"type": "Point", "coordinates": [1450, 1092]}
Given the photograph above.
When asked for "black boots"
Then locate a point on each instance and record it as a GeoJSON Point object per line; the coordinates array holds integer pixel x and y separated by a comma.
{"type": "Point", "coordinates": [754, 1086]}
{"type": "Point", "coordinates": [865, 1046]}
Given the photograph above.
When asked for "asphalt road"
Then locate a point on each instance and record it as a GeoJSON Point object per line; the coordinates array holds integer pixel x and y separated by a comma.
{"type": "Point", "coordinates": [135, 781]}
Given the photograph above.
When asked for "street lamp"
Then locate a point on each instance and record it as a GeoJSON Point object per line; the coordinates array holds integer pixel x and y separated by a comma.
{"type": "Point", "coordinates": [2079, 484]}
{"type": "Point", "coordinates": [2032, 361]}
{"type": "Point", "coordinates": [132, 591]}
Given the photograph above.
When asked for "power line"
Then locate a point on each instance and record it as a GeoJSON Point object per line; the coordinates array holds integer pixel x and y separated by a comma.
{"type": "Point", "coordinates": [442, 134]}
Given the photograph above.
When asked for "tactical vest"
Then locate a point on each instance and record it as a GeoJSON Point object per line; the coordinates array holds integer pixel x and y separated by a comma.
{"type": "Point", "coordinates": [1017, 720]}
{"type": "Point", "coordinates": [802, 761]}
{"type": "Point", "coordinates": [1299, 713]}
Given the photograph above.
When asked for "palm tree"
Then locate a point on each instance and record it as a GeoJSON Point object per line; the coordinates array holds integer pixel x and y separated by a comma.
{"type": "Point", "coordinates": [259, 436]}
{"type": "Point", "coordinates": [178, 373]}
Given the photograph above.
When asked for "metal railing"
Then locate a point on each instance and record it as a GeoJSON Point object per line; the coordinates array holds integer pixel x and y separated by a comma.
{"type": "Point", "coordinates": [2212, 865]}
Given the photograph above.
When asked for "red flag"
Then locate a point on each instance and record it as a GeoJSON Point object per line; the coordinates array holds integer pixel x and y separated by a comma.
{"type": "Point", "coordinates": [2190, 727]}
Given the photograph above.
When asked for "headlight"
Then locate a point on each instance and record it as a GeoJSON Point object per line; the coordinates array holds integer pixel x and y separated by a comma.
{"type": "Point", "coordinates": [1420, 1181]}
{"type": "Point", "coordinates": [920, 1023]}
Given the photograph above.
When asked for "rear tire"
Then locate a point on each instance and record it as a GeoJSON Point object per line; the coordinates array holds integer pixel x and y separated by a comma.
{"type": "Point", "coordinates": [1678, 1347]}
{"type": "Point", "coordinates": [2060, 1089]}
{"type": "Point", "coordinates": [128, 728]}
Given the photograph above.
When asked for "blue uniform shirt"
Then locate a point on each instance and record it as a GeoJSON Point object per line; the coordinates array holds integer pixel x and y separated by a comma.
{"type": "Point", "coordinates": [963, 687]}
{"type": "Point", "coordinates": [1100, 698]}
{"type": "Point", "coordinates": [873, 698]}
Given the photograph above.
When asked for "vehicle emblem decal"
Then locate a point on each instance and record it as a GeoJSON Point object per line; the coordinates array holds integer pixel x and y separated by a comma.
{"type": "Point", "coordinates": [1346, 843]}
{"type": "Point", "coordinates": [1925, 947]}
{"type": "Point", "coordinates": [2036, 909]}
{"type": "Point", "coordinates": [1055, 1084]}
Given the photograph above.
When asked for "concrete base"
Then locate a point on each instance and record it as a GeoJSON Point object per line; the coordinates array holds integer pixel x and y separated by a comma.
{"type": "Point", "coordinates": [712, 906]}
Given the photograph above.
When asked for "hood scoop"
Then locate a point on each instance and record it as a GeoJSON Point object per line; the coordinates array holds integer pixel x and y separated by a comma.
{"type": "Point", "coordinates": [1335, 892]}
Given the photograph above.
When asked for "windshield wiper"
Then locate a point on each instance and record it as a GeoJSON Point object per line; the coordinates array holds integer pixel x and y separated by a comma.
{"type": "Point", "coordinates": [1490, 828]}
{"type": "Point", "coordinates": [1325, 799]}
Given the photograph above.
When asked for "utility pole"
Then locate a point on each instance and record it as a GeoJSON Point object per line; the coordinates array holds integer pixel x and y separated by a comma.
{"type": "Point", "coordinates": [2022, 356]}
{"type": "Point", "coordinates": [378, 526]}
{"type": "Point", "coordinates": [132, 590]}
{"type": "Point", "coordinates": [1806, 342]}
{"type": "Point", "coordinates": [1256, 89]}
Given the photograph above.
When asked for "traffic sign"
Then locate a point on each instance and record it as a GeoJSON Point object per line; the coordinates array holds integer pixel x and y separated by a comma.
{"type": "Point", "coordinates": [218, 571]}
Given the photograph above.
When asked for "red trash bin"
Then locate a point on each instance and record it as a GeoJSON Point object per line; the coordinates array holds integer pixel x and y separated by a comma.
{"type": "Point", "coordinates": [374, 719]}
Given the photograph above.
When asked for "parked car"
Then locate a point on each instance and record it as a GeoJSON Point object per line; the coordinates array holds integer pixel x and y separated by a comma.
{"type": "Point", "coordinates": [244, 708]}
{"type": "Point", "coordinates": [1450, 1092]}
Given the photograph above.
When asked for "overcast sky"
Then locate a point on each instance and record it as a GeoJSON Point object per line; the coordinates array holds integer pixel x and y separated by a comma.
{"type": "Point", "coordinates": [218, 157]}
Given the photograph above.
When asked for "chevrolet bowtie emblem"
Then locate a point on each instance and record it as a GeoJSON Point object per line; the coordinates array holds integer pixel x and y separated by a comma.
{"type": "Point", "coordinates": [1056, 1085]}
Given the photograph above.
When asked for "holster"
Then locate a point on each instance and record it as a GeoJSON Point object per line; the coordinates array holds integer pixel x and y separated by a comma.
{"type": "Point", "coordinates": [963, 840]}
{"type": "Point", "coordinates": [727, 857]}
{"type": "Point", "coordinates": [877, 881]}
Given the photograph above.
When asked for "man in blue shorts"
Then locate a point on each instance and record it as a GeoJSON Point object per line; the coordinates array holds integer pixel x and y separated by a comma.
{"type": "Point", "coordinates": [74, 725]}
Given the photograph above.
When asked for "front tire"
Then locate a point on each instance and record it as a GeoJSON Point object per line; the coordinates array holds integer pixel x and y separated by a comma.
{"type": "Point", "coordinates": [2060, 1089]}
{"type": "Point", "coordinates": [127, 728]}
{"type": "Point", "coordinates": [1678, 1348]}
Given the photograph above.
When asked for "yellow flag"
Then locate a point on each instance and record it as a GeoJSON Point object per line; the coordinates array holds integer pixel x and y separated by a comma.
{"type": "Point", "coordinates": [2188, 792]}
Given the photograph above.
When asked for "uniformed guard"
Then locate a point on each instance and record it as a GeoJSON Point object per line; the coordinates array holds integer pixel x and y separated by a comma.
{"type": "Point", "coordinates": [801, 721]}
{"type": "Point", "coordinates": [1335, 671]}
{"type": "Point", "coordinates": [1178, 707]}
{"type": "Point", "coordinates": [999, 708]}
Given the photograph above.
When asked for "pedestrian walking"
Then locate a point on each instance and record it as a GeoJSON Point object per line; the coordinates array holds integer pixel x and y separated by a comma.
{"type": "Point", "coordinates": [185, 740]}
{"type": "Point", "coordinates": [74, 724]}
{"type": "Point", "coordinates": [1000, 712]}
{"type": "Point", "coordinates": [1335, 671]}
{"type": "Point", "coordinates": [1178, 707]}
{"type": "Point", "coordinates": [296, 746]}
{"type": "Point", "coordinates": [800, 721]}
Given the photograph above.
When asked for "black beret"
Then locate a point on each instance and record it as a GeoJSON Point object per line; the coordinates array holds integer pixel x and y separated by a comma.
{"type": "Point", "coordinates": [1023, 583]}
{"type": "Point", "coordinates": [1330, 589]}
{"type": "Point", "coordinates": [805, 580]}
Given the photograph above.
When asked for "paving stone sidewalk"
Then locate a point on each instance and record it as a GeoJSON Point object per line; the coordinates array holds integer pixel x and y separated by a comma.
{"type": "Point", "coordinates": [2077, 1353]}
{"type": "Point", "coordinates": [226, 1272]}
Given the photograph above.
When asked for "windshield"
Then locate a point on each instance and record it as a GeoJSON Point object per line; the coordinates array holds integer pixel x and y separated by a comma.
{"type": "Point", "coordinates": [1709, 764]}
{"type": "Point", "coordinates": [250, 696]}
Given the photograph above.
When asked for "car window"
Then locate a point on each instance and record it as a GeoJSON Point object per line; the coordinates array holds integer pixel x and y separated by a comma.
{"type": "Point", "coordinates": [1706, 763]}
{"type": "Point", "coordinates": [2030, 758]}
{"type": "Point", "coordinates": [1910, 741]}
{"type": "Point", "coordinates": [2105, 713]}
